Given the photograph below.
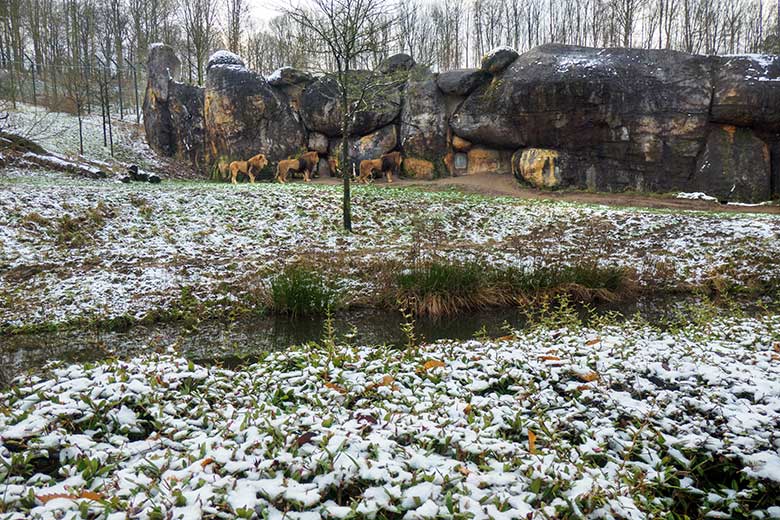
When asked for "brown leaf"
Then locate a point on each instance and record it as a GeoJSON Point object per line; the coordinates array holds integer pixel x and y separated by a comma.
{"type": "Point", "coordinates": [367, 418]}
{"type": "Point", "coordinates": [54, 496]}
{"type": "Point", "coordinates": [467, 409]}
{"type": "Point", "coordinates": [338, 388]}
{"type": "Point", "coordinates": [433, 363]}
{"type": "Point", "coordinates": [531, 442]}
{"type": "Point", "coordinates": [506, 338]}
{"type": "Point", "coordinates": [588, 376]}
{"type": "Point", "coordinates": [593, 342]}
{"type": "Point", "coordinates": [549, 358]}
{"type": "Point", "coordinates": [205, 462]}
{"type": "Point", "coordinates": [89, 495]}
{"type": "Point", "coordinates": [776, 346]}
{"type": "Point", "coordinates": [305, 438]}
{"type": "Point", "coordinates": [463, 470]}
{"type": "Point", "coordinates": [386, 381]}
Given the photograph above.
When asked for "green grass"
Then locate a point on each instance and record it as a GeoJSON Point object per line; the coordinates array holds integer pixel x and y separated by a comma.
{"type": "Point", "coordinates": [301, 291]}
{"type": "Point", "coordinates": [440, 288]}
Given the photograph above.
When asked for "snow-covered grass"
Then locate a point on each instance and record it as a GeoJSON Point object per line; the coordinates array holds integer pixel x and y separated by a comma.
{"type": "Point", "coordinates": [59, 132]}
{"type": "Point", "coordinates": [613, 422]}
{"type": "Point", "coordinates": [77, 249]}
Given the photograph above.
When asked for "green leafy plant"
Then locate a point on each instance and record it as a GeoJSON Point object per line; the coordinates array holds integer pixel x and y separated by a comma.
{"type": "Point", "coordinates": [299, 291]}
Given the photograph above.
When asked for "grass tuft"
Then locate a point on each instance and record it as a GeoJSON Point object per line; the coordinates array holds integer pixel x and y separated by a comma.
{"type": "Point", "coordinates": [440, 288]}
{"type": "Point", "coordinates": [300, 291]}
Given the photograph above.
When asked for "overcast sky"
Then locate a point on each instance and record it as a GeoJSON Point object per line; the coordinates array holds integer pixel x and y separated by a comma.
{"type": "Point", "coordinates": [262, 10]}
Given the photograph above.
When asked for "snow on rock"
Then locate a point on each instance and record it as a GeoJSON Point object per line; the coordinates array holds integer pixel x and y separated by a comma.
{"type": "Point", "coordinates": [224, 58]}
{"type": "Point", "coordinates": [272, 440]}
{"type": "Point", "coordinates": [760, 66]}
{"type": "Point", "coordinates": [696, 195]}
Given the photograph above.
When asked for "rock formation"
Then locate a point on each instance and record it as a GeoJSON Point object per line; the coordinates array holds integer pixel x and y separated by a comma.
{"type": "Point", "coordinates": [556, 116]}
{"type": "Point", "coordinates": [244, 116]}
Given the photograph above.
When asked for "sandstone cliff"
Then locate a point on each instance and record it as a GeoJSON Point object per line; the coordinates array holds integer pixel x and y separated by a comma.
{"type": "Point", "coordinates": [555, 116]}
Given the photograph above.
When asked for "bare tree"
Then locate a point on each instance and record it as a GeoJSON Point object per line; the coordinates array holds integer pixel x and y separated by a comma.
{"type": "Point", "coordinates": [236, 14]}
{"type": "Point", "coordinates": [345, 30]}
{"type": "Point", "coordinates": [199, 19]}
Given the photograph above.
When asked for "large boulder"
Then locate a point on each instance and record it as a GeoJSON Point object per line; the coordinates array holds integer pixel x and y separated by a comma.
{"type": "Point", "coordinates": [774, 149]}
{"type": "Point", "coordinates": [483, 160]}
{"type": "Point", "coordinates": [461, 82]}
{"type": "Point", "coordinates": [498, 59]}
{"type": "Point", "coordinates": [735, 165]}
{"type": "Point", "coordinates": [637, 118]}
{"type": "Point", "coordinates": [396, 63]}
{"type": "Point", "coordinates": [424, 129]}
{"type": "Point", "coordinates": [320, 106]}
{"type": "Point", "coordinates": [245, 116]}
{"type": "Point", "coordinates": [185, 105]}
{"type": "Point", "coordinates": [288, 76]}
{"type": "Point", "coordinates": [291, 82]}
{"type": "Point", "coordinates": [369, 146]}
{"type": "Point", "coordinates": [162, 66]}
{"type": "Point", "coordinates": [318, 142]}
{"type": "Point", "coordinates": [540, 168]}
{"type": "Point", "coordinates": [747, 91]}
{"type": "Point", "coordinates": [224, 58]}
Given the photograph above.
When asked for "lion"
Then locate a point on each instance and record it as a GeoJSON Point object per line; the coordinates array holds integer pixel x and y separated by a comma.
{"type": "Point", "coordinates": [258, 162]}
{"type": "Point", "coordinates": [387, 164]}
{"type": "Point", "coordinates": [305, 164]}
{"type": "Point", "coordinates": [333, 165]}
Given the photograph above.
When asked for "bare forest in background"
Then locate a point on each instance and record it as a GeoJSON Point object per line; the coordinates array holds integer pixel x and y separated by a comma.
{"type": "Point", "coordinates": [87, 55]}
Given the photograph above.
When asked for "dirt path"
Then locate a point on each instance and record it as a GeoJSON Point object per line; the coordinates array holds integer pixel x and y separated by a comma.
{"type": "Point", "coordinates": [506, 186]}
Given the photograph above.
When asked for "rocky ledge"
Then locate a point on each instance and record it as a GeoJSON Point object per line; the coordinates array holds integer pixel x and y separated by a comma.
{"type": "Point", "coordinates": [556, 116]}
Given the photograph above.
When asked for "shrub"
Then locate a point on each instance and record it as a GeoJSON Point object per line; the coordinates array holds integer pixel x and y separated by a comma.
{"type": "Point", "coordinates": [299, 291]}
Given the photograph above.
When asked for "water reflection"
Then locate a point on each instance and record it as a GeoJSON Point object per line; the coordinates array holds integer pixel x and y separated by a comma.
{"type": "Point", "coordinates": [233, 343]}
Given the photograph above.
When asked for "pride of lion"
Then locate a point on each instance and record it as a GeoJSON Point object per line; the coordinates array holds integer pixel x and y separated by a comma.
{"type": "Point", "coordinates": [388, 164]}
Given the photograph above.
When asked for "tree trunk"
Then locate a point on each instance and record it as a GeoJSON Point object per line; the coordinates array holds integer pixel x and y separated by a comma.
{"type": "Point", "coordinates": [346, 169]}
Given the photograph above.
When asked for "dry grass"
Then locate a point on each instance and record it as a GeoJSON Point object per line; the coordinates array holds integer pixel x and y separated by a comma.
{"type": "Point", "coordinates": [438, 288]}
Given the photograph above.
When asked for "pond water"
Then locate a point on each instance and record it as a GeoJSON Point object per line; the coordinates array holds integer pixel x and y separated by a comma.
{"type": "Point", "coordinates": [233, 343]}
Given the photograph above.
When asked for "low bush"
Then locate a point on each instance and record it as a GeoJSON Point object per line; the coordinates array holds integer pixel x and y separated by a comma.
{"type": "Point", "coordinates": [299, 291]}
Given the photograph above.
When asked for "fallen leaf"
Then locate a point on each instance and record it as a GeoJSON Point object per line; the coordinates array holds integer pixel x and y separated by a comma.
{"type": "Point", "coordinates": [54, 496]}
{"type": "Point", "coordinates": [367, 418]}
{"type": "Point", "coordinates": [338, 388]}
{"type": "Point", "coordinates": [305, 438]}
{"type": "Point", "coordinates": [205, 462]}
{"type": "Point", "coordinates": [506, 338]}
{"type": "Point", "coordinates": [531, 442]}
{"type": "Point", "coordinates": [463, 470]}
{"type": "Point", "coordinates": [386, 381]}
{"type": "Point", "coordinates": [433, 363]}
{"type": "Point", "coordinates": [549, 358]}
{"type": "Point", "coordinates": [588, 376]}
{"type": "Point", "coordinates": [593, 342]}
{"type": "Point", "coordinates": [89, 495]}
{"type": "Point", "coordinates": [467, 409]}
{"type": "Point", "coordinates": [776, 346]}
